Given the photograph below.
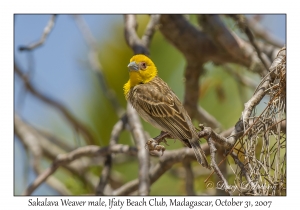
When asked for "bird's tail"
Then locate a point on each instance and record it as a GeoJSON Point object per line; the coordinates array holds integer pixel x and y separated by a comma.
{"type": "Point", "coordinates": [199, 153]}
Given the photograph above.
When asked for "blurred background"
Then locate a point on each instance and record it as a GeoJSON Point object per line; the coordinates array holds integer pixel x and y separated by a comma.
{"type": "Point", "coordinates": [60, 70]}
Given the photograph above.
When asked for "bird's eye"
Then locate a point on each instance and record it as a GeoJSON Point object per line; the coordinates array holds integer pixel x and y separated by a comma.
{"type": "Point", "coordinates": [143, 65]}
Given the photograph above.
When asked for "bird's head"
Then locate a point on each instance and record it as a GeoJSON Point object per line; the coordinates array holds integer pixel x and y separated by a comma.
{"type": "Point", "coordinates": [141, 69]}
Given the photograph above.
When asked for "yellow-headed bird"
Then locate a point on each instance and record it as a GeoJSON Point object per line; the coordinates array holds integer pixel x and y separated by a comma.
{"type": "Point", "coordinates": [158, 105]}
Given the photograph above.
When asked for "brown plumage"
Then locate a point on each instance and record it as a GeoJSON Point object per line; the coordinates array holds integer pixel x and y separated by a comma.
{"type": "Point", "coordinates": [157, 104]}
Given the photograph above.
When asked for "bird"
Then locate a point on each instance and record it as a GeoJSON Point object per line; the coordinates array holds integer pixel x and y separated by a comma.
{"type": "Point", "coordinates": [158, 105]}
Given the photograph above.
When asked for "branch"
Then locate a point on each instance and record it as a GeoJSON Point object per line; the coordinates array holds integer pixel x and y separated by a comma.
{"type": "Point", "coordinates": [53, 182]}
{"type": "Point", "coordinates": [150, 29]}
{"type": "Point", "coordinates": [143, 155]}
{"type": "Point", "coordinates": [45, 34]}
{"type": "Point", "coordinates": [224, 38]}
{"type": "Point", "coordinates": [189, 178]}
{"type": "Point", "coordinates": [132, 39]}
{"type": "Point", "coordinates": [258, 95]}
{"type": "Point", "coordinates": [215, 166]}
{"type": "Point", "coordinates": [30, 140]}
{"type": "Point", "coordinates": [264, 34]}
{"type": "Point", "coordinates": [165, 163]}
{"type": "Point", "coordinates": [78, 126]}
{"type": "Point", "coordinates": [242, 22]}
{"type": "Point", "coordinates": [90, 151]}
{"type": "Point", "coordinates": [198, 46]}
{"type": "Point", "coordinates": [193, 71]}
{"type": "Point", "coordinates": [40, 145]}
{"type": "Point", "coordinates": [105, 174]}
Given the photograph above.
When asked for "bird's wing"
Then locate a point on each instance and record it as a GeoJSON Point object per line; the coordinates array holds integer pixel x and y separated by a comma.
{"type": "Point", "coordinates": [164, 110]}
{"type": "Point", "coordinates": [162, 105]}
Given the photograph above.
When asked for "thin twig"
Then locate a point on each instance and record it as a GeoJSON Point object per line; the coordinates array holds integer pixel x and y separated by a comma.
{"type": "Point", "coordinates": [45, 34]}
{"type": "Point", "coordinates": [262, 33]}
{"type": "Point", "coordinates": [244, 171]}
{"type": "Point", "coordinates": [242, 22]}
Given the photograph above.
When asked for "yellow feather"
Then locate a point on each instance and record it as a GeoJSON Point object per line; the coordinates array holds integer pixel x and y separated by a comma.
{"type": "Point", "coordinates": [140, 76]}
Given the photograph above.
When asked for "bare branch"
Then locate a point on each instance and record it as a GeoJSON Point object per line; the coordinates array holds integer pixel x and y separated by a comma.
{"type": "Point", "coordinates": [45, 34]}
{"type": "Point", "coordinates": [262, 33]}
{"type": "Point", "coordinates": [189, 178]}
{"type": "Point", "coordinates": [90, 151]}
{"type": "Point", "coordinates": [132, 39]}
{"type": "Point", "coordinates": [255, 99]}
{"type": "Point", "coordinates": [53, 182]}
{"type": "Point", "coordinates": [258, 95]}
{"type": "Point", "coordinates": [40, 145]}
{"type": "Point", "coordinates": [215, 166]}
{"type": "Point", "coordinates": [143, 155]}
{"type": "Point", "coordinates": [105, 174]}
{"type": "Point", "coordinates": [192, 91]}
{"type": "Point", "coordinates": [197, 46]}
{"type": "Point", "coordinates": [222, 36]}
{"type": "Point", "coordinates": [244, 26]}
{"type": "Point", "coordinates": [165, 163]}
{"type": "Point", "coordinates": [78, 126]}
{"type": "Point", "coordinates": [40, 179]}
{"type": "Point", "coordinates": [151, 27]}
{"type": "Point", "coordinates": [96, 65]}
{"type": "Point", "coordinates": [29, 138]}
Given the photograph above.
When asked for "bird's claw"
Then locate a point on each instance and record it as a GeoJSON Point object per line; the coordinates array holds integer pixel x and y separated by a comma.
{"type": "Point", "coordinates": [165, 141]}
{"type": "Point", "coordinates": [152, 145]}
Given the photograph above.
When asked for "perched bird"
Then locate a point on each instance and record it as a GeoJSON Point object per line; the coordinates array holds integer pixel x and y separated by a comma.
{"type": "Point", "coordinates": [158, 105]}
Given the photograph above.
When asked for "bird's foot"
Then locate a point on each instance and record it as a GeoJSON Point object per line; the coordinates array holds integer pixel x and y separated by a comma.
{"type": "Point", "coordinates": [153, 145]}
{"type": "Point", "coordinates": [201, 127]}
{"type": "Point", "coordinates": [162, 137]}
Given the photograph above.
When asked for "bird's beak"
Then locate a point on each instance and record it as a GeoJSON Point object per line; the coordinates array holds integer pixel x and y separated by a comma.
{"type": "Point", "coordinates": [133, 66]}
